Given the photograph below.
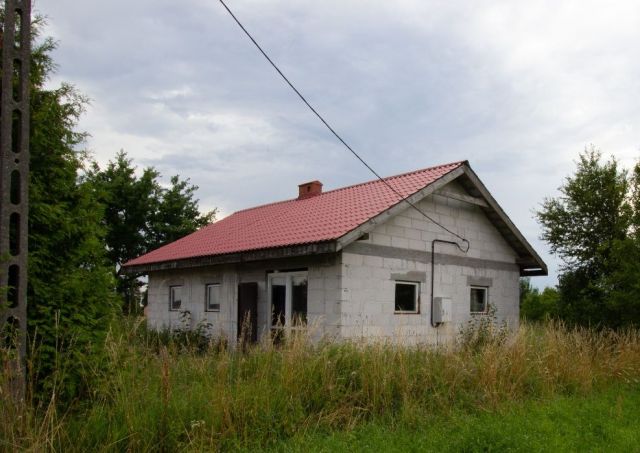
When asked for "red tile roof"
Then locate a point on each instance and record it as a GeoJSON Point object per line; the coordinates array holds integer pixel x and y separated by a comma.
{"type": "Point", "coordinates": [320, 218]}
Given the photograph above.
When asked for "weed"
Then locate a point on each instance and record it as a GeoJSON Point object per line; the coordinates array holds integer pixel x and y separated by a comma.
{"type": "Point", "coordinates": [173, 391]}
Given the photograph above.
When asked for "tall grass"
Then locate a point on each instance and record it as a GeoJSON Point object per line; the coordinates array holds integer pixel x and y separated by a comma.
{"type": "Point", "coordinates": [164, 395]}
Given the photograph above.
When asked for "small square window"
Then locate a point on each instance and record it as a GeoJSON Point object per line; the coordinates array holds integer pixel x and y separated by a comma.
{"type": "Point", "coordinates": [406, 300]}
{"type": "Point", "coordinates": [175, 297]}
{"type": "Point", "coordinates": [212, 297]}
{"type": "Point", "coordinates": [478, 297]}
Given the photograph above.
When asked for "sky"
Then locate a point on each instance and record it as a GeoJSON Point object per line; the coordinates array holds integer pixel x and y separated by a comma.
{"type": "Point", "coordinates": [518, 88]}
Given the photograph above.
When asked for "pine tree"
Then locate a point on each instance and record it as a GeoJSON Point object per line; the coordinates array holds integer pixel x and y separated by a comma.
{"type": "Point", "coordinates": [71, 302]}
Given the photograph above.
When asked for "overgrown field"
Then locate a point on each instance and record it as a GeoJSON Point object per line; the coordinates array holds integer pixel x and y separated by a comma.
{"type": "Point", "coordinates": [175, 394]}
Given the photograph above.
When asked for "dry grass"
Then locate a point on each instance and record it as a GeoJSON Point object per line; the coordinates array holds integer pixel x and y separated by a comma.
{"type": "Point", "coordinates": [172, 396]}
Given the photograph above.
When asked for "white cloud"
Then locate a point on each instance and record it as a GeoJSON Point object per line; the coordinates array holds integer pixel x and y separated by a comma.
{"type": "Point", "coordinates": [516, 87]}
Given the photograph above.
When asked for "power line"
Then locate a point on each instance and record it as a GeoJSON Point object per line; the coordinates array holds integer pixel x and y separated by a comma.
{"type": "Point", "coordinates": [402, 198]}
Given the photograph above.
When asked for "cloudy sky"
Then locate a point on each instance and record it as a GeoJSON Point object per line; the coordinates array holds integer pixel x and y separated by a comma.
{"type": "Point", "coordinates": [518, 88]}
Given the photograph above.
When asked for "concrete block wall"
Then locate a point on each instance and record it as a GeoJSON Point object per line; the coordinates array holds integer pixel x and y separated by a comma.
{"type": "Point", "coordinates": [193, 283]}
{"type": "Point", "coordinates": [324, 289]}
{"type": "Point", "coordinates": [400, 249]}
{"type": "Point", "coordinates": [410, 230]}
{"type": "Point", "coordinates": [367, 305]}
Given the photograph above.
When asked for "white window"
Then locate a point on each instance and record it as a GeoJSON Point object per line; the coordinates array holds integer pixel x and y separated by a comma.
{"type": "Point", "coordinates": [212, 297]}
{"type": "Point", "coordinates": [288, 300]}
{"type": "Point", "coordinates": [175, 298]}
{"type": "Point", "coordinates": [478, 296]}
{"type": "Point", "coordinates": [406, 297]}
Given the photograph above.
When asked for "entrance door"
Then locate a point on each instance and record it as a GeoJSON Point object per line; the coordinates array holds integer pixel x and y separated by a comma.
{"type": "Point", "coordinates": [248, 312]}
{"type": "Point", "coordinates": [288, 301]}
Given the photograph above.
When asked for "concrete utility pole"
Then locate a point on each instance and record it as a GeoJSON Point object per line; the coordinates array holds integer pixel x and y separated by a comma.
{"type": "Point", "coordinates": [15, 44]}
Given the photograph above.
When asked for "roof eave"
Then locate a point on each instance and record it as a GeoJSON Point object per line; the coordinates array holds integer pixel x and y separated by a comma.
{"type": "Point", "coordinates": [400, 206]}
{"type": "Point", "coordinates": [315, 248]}
{"type": "Point", "coordinates": [530, 263]}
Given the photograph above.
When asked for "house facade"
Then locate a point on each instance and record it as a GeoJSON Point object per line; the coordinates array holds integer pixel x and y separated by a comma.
{"type": "Point", "coordinates": [352, 263]}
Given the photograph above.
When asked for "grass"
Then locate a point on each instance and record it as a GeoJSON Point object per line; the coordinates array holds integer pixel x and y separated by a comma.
{"type": "Point", "coordinates": [490, 391]}
{"type": "Point", "coordinates": [603, 421]}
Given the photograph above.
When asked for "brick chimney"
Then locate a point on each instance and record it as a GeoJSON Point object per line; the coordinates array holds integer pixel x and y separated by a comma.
{"type": "Point", "coordinates": [309, 189]}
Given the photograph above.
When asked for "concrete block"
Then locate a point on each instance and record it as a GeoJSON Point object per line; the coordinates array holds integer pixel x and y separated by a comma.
{"type": "Point", "coordinates": [372, 261]}
{"type": "Point", "coordinates": [352, 259]}
{"type": "Point", "coordinates": [331, 283]}
{"type": "Point", "coordinates": [419, 224]}
{"type": "Point", "coordinates": [395, 232]}
{"type": "Point", "coordinates": [399, 242]}
{"type": "Point", "coordinates": [412, 233]}
{"type": "Point", "coordinates": [380, 239]}
{"type": "Point", "coordinates": [402, 221]}
{"type": "Point", "coordinates": [419, 245]}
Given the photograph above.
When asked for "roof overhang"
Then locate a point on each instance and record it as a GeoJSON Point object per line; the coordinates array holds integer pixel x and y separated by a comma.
{"type": "Point", "coordinates": [402, 205]}
{"type": "Point", "coordinates": [528, 260]}
{"type": "Point", "coordinates": [530, 263]}
{"type": "Point", "coordinates": [318, 248]}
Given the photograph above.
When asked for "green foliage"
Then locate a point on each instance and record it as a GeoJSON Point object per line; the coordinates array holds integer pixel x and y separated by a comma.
{"type": "Point", "coordinates": [592, 226]}
{"type": "Point", "coordinates": [183, 337]}
{"type": "Point", "coordinates": [142, 215]}
{"type": "Point", "coordinates": [591, 213]}
{"type": "Point", "coordinates": [174, 398]}
{"type": "Point", "coordinates": [130, 201]}
{"type": "Point", "coordinates": [536, 305]}
{"type": "Point", "coordinates": [623, 283]}
{"type": "Point", "coordinates": [70, 297]}
{"type": "Point", "coordinates": [482, 331]}
{"type": "Point", "coordinates": [177, 214]}
{"type": "Point", "coordinates": [607, 421]}
{"type": "Point", "coordinates": [540, 306]}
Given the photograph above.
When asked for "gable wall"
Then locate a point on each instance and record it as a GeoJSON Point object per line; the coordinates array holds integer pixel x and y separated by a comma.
{"type": "Point", "coordinates": [400, 249]}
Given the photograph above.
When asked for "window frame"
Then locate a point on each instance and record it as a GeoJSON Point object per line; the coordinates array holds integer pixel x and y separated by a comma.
{"type": "Point", "coordinates": [416, 286]}
{"type": "Point", "coordinates": [206, 298]}
{"type": "Point", "coordinates": [289, 276]}
{"type": "Point", "coordinates": [485, 289]}
{"type": "Point", "coordinates": [171, 297]}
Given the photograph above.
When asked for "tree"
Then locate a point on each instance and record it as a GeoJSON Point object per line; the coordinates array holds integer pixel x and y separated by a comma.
{"type": "Point", "coordinates": [70, 290]}
{"type": "Point", "coordinates": [141, 215]}
{"type": "Point", "coordinates": [177, 214]}
{"type": "Point", "coordinates": [582, 224]}
{"type": "Point", "coordinates": [589, 227]}
{"type": "Point", "coordinates": [537, 306]}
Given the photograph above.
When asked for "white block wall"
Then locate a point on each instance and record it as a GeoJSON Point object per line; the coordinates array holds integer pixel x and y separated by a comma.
{"type": "Point", "coordinates": [193, 299]}
{"type": "Point", "coordinates": [324, 283]}
{"type": "Point", "coordinates": [368, 294]}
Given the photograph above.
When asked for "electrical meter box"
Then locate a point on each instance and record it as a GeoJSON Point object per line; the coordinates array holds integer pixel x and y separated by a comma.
{"type": "Point", "coordinates": [441, 309]}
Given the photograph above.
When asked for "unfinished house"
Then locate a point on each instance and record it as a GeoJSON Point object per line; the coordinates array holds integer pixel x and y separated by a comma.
{"type": "Point", "coordinates": [350, 263]}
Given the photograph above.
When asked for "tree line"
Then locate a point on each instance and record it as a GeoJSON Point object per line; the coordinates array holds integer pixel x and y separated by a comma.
{"type": "Point", "coordinates": [593, 226]}
{"type": "Point", "coordinates": [84, 223]}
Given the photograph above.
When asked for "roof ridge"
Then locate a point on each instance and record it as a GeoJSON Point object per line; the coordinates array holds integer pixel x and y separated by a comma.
{"type": "Point", "coordinates": [460, 162]}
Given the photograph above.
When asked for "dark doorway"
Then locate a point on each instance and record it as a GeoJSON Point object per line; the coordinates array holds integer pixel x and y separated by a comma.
{"type": "Point", "coordinates": [248, 312]}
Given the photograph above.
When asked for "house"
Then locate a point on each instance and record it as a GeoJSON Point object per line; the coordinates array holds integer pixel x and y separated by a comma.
{"type": "Point", "coordinates": [353, 262]}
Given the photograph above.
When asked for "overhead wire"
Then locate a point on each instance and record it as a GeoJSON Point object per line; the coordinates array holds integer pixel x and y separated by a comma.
{"type": "Point", "coordinates": [332, 130]}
